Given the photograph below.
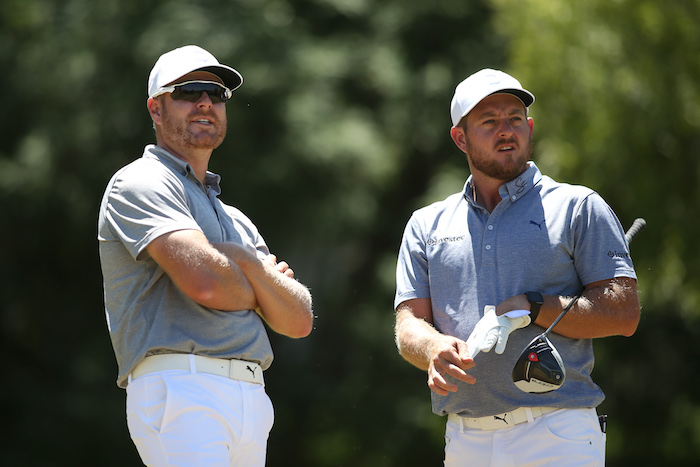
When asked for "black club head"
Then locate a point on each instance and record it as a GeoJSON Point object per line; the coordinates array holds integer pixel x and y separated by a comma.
{"type": "Point", "coordinates": [539, 368]}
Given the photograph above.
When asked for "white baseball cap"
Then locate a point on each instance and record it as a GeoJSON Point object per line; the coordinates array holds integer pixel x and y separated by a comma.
{"type": "Point", "coordinates": [177, 63]}
{"type": "Point", "coordinates": [482, 84]}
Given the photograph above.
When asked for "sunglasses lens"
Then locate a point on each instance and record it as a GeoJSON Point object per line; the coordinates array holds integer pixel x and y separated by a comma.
{"type": "Point", "coordinates": [191, 92]}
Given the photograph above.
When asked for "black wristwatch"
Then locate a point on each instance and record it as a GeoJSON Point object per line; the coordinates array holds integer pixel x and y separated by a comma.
{"type": "Point", "coordinates": [535, 299]}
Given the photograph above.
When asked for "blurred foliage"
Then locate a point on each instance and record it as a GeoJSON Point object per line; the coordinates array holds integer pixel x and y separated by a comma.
{"type": "Point", "coordinates": [339, 132]}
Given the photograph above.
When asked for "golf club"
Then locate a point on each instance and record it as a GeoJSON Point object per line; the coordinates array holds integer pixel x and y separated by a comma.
{"type": "Point", "coordinates": [539, 368]}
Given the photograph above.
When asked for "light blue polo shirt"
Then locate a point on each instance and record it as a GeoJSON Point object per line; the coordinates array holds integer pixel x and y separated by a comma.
{"type": "Point", "coordinates": [543, 236]}
{"type": "Point", "coordinates": [147, 314]}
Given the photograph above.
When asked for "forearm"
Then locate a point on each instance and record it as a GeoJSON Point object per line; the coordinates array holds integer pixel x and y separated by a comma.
{"type": "Point", "coordinates": [414, 338]}
{"type": "Point", "coordinates": [426, 348]}
{"type": "Point", "coordinates": [283, 302]}
{"type": "Point", "coordinates": [202, 272]}
{"type": "Point", "coordinates": [233, 291]}
{"type": "Point", "coordinates": [607, 308]}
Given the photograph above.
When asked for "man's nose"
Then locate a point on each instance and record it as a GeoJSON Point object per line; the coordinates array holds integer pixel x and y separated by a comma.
{"type": "Point", "coordinates": [505, 127]}
{"type": "Point", "coordinates": [204, 100]}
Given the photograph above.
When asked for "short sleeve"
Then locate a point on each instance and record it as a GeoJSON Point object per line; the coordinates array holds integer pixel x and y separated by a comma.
{"type": "Point", "coordinates": [412, 265]}
{"type": "Point", "coordinates": [601, 249]}
{"type": "Point", "coordinates": [141, 205]}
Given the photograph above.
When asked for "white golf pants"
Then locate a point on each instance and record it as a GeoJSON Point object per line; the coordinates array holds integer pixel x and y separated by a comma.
{"type": "Point", "coordinates": [563, 438]}
{"type": "Point", "coordinates": [180, 418]}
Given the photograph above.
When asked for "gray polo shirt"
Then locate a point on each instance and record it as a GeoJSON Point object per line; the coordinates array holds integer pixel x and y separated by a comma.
{"type": "Point", "coordinates": [147, 314]}
{"type": "Point", "coordinates": [543, 236]}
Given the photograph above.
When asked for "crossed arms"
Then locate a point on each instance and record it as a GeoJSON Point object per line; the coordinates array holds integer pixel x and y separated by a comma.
{"type": "Point", "coordinates": [229, 277]}
{"type": "Point", "coordinates": [607, 308]}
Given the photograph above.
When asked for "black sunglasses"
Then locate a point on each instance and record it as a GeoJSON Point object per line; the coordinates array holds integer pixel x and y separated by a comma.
{"type": "Point", "coordinates": [191, 91]}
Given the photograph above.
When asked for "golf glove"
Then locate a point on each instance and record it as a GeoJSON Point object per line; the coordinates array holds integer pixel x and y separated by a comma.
{"type": "Point", "coordinates": [494, 330]}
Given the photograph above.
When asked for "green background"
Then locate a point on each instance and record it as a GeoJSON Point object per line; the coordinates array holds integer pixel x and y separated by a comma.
{"type": "Point", "coordinates": [340, 131]}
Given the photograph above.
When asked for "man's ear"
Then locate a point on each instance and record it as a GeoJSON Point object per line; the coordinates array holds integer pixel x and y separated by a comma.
{"type": "Point", "coordinates": [459, 138]}
{"type": "Point", "coordinates": [155, 109]}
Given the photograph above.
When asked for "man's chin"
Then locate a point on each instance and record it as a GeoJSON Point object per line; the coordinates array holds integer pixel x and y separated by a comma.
{"type": "Point", "coordinates": [205, 142]}
{"type": "Point", "coordinates": [504, 173]}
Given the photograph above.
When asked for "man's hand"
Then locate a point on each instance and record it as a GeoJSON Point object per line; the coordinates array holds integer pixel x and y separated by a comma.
{"type": "Point", "coordinates": [283, 302]}
{"type": "Point", "coordinates": [282, 267]}
{"type": "Point", "coordinates": [450, 356]}
{"type": "Point", "coordinates": [494, 330]}
{"type": "Point", "coordinates": [428, 349]}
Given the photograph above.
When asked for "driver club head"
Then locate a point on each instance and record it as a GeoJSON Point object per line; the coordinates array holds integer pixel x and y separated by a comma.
{"type": "Point", "coordinates": [539, 368]}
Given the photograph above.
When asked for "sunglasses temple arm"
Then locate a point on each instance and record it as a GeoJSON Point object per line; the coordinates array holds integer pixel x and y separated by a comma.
{"type": "Point", "coordinates": [561, 315]}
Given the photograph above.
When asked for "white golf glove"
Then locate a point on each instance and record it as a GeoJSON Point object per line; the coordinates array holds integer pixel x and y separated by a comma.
{"type": "Point", "coordinates": [494, 330]}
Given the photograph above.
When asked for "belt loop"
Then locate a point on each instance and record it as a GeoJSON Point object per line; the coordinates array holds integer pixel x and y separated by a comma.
{"type": "Point", "coordinates": [193, 364]}
{"type": "Point", "coordinates": [461, 424]}
{"type": "Point", "coordinates": [528, 413]}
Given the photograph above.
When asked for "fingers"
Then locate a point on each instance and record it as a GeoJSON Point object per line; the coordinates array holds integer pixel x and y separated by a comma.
{"type": "Point", "coordinates": [483, 343]}
{"type": "Point", "coordinates": [270, 260]}
{"type": "Point", "coordinates": [491, 339]}
{"type": "Point", "coordinates": [465, 355]}
{"type": "Point", "coordinates": [439, 383]}
{"type": "Point", "coordinates": [483, 336]}
{"type": "Point", "coordinates": [475, 352]}
{"type": "Point", "coordinates": [452, 361]}
{"type": "Point", "coordinates": [477, 342]}
{"type": "Point", "coordinates": [282, 267]}
{"type": "Point", "coordinates": [502, 340]}
{"type": "Point", "coordinates": [509, 324]}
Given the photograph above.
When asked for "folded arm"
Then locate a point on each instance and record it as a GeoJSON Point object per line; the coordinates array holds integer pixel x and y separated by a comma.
{"type": "Point", "coordinates": [229, 277]}
{"type": "Point", "coordinates": [283, 302]}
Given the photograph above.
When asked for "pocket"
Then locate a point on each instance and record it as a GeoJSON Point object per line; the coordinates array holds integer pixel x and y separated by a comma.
{"type": "Point", "coordinates": [146, 403]}
{"type": "Point", "coordinates": [571, 425]}
{"type": "Point", "coordinates": [577, 431]}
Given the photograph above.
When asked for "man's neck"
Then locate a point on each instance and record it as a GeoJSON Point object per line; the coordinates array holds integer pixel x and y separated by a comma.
{"type": "Point", "coordinates": [198, 159]}
{"type": "Point", "coordinates": [485, 191]}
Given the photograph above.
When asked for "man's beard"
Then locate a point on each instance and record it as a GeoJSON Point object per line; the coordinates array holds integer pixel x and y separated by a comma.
{"type": "Point", "coordinates": [495, 168]}
{"type": "Point", "coordinates": [180, 134]}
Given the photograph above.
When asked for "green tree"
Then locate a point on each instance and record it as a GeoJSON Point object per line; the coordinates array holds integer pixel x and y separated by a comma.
{"type": "Point", "coordinates": [339, 132]}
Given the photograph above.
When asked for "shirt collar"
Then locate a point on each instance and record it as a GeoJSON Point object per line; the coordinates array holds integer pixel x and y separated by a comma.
{"type": "Point", "coordinates": [514, 189]}
{"type": "Point", "coordinates": [211, 180]}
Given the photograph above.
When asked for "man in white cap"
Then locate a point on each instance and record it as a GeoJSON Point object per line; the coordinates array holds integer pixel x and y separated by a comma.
{"type": "Point", "coordinates": [189, 283]}
{"type": "Point", "coordinates": [495, 264]}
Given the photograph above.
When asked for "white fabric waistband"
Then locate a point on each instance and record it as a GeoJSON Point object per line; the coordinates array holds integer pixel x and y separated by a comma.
{"type": "Point", "coordinates": [499, 421]}
{"type": "Point", "coordinates": [234, 369]}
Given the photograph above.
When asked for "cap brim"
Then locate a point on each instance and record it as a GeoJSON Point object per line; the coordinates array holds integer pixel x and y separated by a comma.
{"type": "Point", "coordinates": [524, 96]}
{"type": "Point", "coordinates": [231, 78]}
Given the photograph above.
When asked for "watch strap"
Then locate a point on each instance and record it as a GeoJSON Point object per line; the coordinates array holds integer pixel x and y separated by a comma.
{"type": "Point", "coordinates": [536, 300]}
